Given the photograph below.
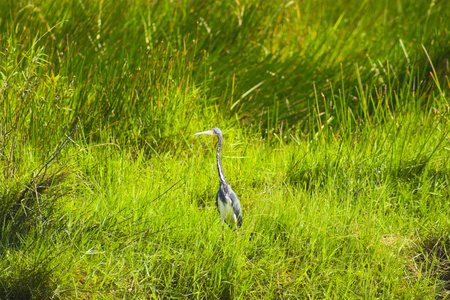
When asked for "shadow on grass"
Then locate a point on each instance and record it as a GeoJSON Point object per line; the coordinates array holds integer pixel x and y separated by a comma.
{"type": "Point", "coordinates": [411, 172]}
{"type": "Point", "coordinates": [23, 210]}
{"type": "Point", "coordinates": [434, 259]}
{"type": "Point", "coordinates": [32, 281]}
{"type": "Point", "coordinates": [26, 213]}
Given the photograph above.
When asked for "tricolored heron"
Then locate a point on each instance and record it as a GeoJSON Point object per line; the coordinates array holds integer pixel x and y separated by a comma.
{"type": "Point", "coordinates": [226, 200]}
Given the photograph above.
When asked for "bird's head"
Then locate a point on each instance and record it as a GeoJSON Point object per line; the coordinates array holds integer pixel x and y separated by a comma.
{"type": "Point", "coordinates": [213, 131]}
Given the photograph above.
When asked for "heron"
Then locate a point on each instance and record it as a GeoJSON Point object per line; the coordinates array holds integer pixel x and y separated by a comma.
{"type": "Point", "coordinates": [227, 202]}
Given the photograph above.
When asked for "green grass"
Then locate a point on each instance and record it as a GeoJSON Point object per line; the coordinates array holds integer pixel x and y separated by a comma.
{"type": "Point", "coordinates": [335, 118]}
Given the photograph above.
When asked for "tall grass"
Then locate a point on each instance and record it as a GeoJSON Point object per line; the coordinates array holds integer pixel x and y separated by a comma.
{"type": "Point", "coordinates": [335, 117]}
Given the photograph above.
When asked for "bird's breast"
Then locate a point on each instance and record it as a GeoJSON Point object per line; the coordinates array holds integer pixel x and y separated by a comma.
{"type": "Point", "coordinates": [226, 211]}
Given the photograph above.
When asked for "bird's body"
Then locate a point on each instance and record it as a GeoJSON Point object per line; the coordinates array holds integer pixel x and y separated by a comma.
{"type": "Point", "coordinates": [229, 207]}
{"type": "Point", "coordinates": [226, 200]}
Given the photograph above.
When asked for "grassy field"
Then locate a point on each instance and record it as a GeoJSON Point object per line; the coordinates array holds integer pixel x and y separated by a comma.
{"type": "Point", "coordinates": [336, 124]}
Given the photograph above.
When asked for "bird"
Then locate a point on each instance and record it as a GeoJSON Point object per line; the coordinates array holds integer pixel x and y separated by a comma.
{"type": "Point", "coordinates": [227, 202]}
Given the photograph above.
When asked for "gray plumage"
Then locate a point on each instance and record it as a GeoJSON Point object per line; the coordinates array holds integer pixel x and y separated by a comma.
{"type": "Point", "coordinates": [227, 202]}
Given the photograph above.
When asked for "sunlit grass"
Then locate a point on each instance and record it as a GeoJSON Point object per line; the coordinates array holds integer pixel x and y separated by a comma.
{"type": "Point", "coordinates": [335, 120]}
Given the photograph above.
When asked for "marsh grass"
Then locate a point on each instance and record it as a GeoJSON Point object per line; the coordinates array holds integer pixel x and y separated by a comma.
{"type": "Point", "coordinates": [335, 118]}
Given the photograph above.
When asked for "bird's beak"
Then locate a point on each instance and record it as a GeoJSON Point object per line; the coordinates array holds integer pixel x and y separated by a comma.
{"type": "Point", "coordinates": [209, 132]}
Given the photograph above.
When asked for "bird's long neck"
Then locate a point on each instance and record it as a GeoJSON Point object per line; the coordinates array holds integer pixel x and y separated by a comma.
{"type": "Point", "coordinates": [219, 165]}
